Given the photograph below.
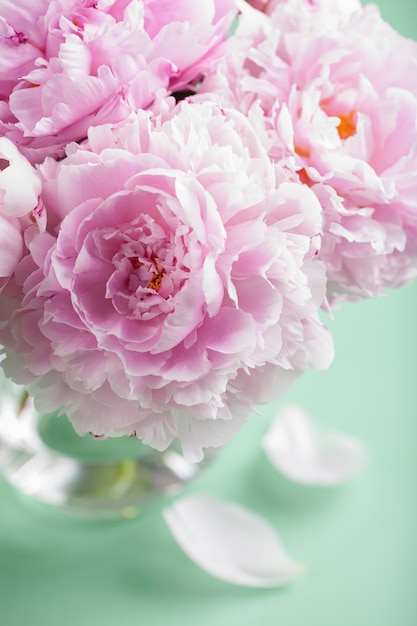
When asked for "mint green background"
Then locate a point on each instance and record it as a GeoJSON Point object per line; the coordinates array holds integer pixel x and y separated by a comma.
{"type": "Point", "coordinates": [358, 541]}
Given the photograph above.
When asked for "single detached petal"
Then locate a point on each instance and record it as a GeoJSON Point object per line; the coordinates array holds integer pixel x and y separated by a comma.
{"type": "Point", "coordinates": [230, 542]}
{"type": "Point", "coordinates": [307, 453]}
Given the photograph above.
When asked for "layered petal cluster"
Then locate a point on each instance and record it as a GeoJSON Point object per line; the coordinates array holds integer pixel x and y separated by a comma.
{"type": "Point", "coordinates": [20, 206]}
{"type": "Point", "coordinates": [332, 89]}
{"type": "Point", "coordinates": [69, 64]}
{"type": "Point", "coordinates": [177, 285]}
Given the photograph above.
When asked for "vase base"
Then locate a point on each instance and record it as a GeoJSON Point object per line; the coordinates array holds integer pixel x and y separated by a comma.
{"type": "Point", "coordinates": [44, 458]}
{"type": "Point", "coordinates": [115, 490]}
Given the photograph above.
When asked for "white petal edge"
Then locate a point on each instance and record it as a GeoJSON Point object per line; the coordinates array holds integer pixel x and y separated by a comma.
{"type": "Point", "coordinates": [230, 542]}
{"type": "Point", "coordinates": [307, 453]}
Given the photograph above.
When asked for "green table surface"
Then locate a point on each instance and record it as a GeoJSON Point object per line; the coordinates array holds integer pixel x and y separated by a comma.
{"type": "Point", "coordinates": [358, 541]}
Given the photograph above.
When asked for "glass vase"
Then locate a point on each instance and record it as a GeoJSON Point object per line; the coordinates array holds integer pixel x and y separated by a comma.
{"type": "Point", "coordinates": [117, 478]}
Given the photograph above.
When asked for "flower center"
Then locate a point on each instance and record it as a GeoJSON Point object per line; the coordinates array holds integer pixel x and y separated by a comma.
{"type": "Point", "coordinates": [149, 267]}
{"type": "Point", "coordinates": [143, 270]}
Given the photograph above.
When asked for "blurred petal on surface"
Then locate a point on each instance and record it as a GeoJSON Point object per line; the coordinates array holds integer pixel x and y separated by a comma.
{"type": "Point", "coordinates": [306, 453]}
{"type": "Point", "coordinates": [230, 542]}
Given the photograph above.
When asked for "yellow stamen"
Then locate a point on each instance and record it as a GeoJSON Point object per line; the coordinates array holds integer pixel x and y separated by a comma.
{"type": "Point", "coordinates": [303, 152]}
{"type": "Point", "coordinates": [156, 280]}
{"type": "Point", "coordinates": [347, 126]}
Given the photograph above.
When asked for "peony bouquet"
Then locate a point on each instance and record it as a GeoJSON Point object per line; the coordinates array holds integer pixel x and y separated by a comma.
{"type": "Point", "coordinates": [183, 186]}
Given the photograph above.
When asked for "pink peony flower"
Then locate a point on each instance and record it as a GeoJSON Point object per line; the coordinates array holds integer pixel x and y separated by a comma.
{"type": "Point", "coordinates": [332, 90]}
{"type": "Point", "coordinates": [70, 64]}
{"type": "Point", "coordinates": [20, 188]}
{"type": "Point", "coordinates": [177, 284]}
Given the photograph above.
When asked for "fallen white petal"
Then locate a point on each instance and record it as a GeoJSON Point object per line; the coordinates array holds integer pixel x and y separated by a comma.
{"type": "Point", "coordinates": [307, 453]}
{"type": "Point", "coordinates": [230, 542]}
